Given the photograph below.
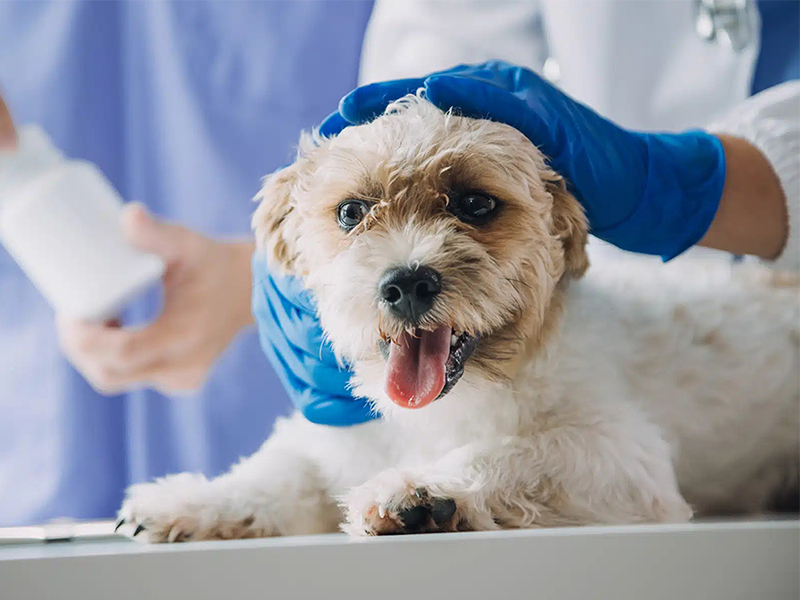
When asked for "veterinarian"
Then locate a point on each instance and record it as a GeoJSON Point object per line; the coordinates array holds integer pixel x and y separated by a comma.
{"type": "Point", "coordinates": [715, 70]}
{"type": "Point", "coordinates": [185, 106]}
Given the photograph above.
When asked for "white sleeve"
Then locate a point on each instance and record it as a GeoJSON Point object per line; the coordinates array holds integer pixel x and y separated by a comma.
{"type": "Point", "coordinates": [771, 122]}
{"type": "Point", "coordinates": [411, 38]}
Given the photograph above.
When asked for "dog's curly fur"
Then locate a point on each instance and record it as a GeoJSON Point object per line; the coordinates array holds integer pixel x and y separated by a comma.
{"type": "Point", "coordinates": [627, 396]}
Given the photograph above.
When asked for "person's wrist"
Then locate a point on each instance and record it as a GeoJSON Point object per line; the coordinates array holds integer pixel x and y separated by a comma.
{"type": "Point", "coordinates": [684, 183]}
{"type": "Point", "coordinates": [752, 216]}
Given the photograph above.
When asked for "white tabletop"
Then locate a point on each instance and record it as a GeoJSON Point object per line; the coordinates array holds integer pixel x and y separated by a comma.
{"type": "Point", "coordinates": [748, 560]}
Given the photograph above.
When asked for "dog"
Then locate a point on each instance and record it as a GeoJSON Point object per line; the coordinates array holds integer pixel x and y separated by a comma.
{"type": "Point", "coordinates": [448, 263]}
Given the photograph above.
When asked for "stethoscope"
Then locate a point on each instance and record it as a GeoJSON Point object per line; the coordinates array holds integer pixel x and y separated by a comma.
{"type": "Point", "coordinates": [732, 23]}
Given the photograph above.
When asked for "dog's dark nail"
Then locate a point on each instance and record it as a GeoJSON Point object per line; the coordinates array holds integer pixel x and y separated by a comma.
{"type": "Point", "coordinates": [139, 529]}
{"type": "Point", "coordinates": [120, 523]}
{"type": "Point", "coordinates": [442, 510]}
{"type": "Point", "coordinates": [248, 521]}
{"type": "Point", "coordinates": [414, 518]}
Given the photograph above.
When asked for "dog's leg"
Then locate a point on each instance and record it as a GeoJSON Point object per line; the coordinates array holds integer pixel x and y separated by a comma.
{"type": "Point", "coordinates": [277, 491]}
{"type": "Point", "coordinates": [564, 477]}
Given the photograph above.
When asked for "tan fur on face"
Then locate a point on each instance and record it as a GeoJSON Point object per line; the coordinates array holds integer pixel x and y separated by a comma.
{"type": "Point", "coordinates": [500, 280]}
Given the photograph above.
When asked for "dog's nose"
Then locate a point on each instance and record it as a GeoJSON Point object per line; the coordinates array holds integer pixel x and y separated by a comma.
{"type": "Point", "coordinates": [410, 292]}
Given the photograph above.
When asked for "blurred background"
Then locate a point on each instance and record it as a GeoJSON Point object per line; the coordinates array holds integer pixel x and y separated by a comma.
{"type": "Point", "coordinates": [185, 106]}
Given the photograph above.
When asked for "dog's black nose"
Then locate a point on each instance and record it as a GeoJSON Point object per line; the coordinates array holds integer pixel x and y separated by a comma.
{"type": "Point", "coordinates": [410, 292]}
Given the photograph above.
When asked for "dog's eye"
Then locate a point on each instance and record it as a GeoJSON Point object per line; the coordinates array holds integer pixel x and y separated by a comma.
{"type": "Point", "coordinates": [351, 213]}
{"type": "Point", "coordinates": [473, 207]}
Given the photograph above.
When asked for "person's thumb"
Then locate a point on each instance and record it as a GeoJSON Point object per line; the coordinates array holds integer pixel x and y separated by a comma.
{"type": "Point", "coordinates": [150, 234]}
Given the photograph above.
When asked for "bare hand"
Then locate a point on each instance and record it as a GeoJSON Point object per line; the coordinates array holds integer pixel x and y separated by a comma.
{"type": "Point", "coordinates": [207, 301]}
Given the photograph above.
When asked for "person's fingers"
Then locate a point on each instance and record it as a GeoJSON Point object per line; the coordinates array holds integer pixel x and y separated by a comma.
{"type": "Point", "coordinates": [298, 367]}
{"type": "Point", "coordinates": [365, 103]}
{"type": "Point", "coordinates": [333, 125]}
{"type": "Point", "coordinates": [8, 134]}
{"type": "Point", "coordinates": [481, 100]}
{"type": "Point", "coordinates": [123, 351]}
{"type": "Point", "coordinates": [326, 409]}
{"type": "Point", "coordinates": [291, 289]}
{"type": "Point", "coordinates": [108, 381]}
{"type": "Point", "coordinates": [301, 328]}
{"type": "Point", "coordinates": [171, 377]}
{"type": "Point", "coordinates": [117, 360]}
{"type": "Point", "coordinates": [150, 234]}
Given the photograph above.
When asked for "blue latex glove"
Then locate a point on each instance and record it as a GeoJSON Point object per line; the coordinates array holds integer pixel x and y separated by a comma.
{"type": "Point", "coordinates": [292, 339]}
{"type": "Point", "coordinates": [653, 193]}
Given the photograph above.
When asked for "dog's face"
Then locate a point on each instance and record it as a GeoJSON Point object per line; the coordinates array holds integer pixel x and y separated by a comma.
{"type": "Point", "coordinates": [433, 244]}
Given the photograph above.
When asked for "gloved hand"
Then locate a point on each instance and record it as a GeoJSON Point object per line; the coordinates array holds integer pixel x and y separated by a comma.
{"type": "Point", "coordinates": [653, 193]}
{"type": "Point", "coordinates": [292, 339]}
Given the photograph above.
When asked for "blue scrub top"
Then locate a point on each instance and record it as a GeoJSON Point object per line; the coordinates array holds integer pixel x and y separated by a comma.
{"type": "Point", "coordinates": [185, 106]}
{"type": "Point", "coordinates": [779, 53]}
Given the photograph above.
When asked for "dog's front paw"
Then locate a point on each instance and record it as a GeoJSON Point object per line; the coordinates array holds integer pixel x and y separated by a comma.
{"type": "Point", "coordinates": [395, 502]}
{"type": "Point", "coordinates": [185, 507]}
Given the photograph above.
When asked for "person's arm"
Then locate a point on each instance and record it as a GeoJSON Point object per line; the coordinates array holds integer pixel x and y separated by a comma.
{"type": "Point", "coordinates": [759, 213]}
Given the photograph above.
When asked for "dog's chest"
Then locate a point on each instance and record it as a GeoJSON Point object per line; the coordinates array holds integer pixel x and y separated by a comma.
{"type": "Point", "coordinates": [476, 412]}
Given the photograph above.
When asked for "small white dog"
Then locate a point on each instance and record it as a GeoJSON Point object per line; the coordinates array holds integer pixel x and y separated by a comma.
{"type": "Point", "coordinates": [445, 257]}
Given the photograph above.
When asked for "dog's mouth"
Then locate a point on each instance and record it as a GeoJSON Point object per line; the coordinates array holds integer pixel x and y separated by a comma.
{"type": "Point", "coordinates": [422, 366]}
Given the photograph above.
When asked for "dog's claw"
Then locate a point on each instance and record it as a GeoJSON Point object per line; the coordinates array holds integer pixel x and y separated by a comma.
{"type": "Point", "coordinates": [139, 529]}
{"type": "Point", "coordinates": [120, 523]}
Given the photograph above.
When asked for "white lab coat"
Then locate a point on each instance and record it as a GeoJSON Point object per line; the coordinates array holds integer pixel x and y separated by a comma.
{"type": "Point", "coordinates": [640, 63]}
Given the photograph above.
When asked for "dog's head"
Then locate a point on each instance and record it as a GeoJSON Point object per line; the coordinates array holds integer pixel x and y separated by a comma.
{"type": "Point", "coordinates": [433, 243]}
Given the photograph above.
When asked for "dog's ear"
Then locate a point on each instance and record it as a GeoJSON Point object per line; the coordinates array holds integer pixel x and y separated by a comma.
{"type": "Point", "coordinates": [569, 225]}
{"type": "Point", "coordinates": [275, 220]}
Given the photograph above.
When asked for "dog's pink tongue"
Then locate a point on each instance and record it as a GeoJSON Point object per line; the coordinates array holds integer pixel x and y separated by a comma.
{"type": "Point", "coordinates": [415, 372]}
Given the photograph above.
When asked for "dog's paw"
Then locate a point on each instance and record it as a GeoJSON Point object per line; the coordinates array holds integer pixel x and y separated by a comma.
{"type": "Point", "coordinates": [395, 502]}
{"type": "Point", "coordinates": [184, 507]}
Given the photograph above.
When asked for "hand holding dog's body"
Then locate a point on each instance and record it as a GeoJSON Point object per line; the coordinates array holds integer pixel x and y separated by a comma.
{"type": "Point", "coordinates": [608, 400]}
